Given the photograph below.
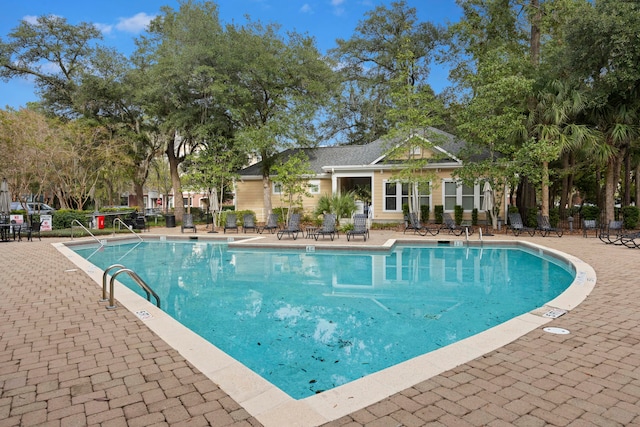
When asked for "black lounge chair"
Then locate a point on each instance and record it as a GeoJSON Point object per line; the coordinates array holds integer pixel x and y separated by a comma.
{"type": "Point", "coordinates": [418, 227]}
{"type": "Point", "coordinates": [231, 223]}
{"type": "Point", "coordinates": [328, 227]}
{"type": "Point", "coordinates": [517, 227]}
{"type": "Point", "coordinates": [631, 240]}
{"type": "Point", "coordinates": [612, 234]}
{"type": "Point", "coordinates": [272, 224]}
{"type": "Point", "coordinates": [450, 225]}
{"type": "Point", "coordinates": [292, 229]}
{"type": "Point", "coordinates": [544, 227]}
{"type": "Point", "coordinates": [187, 223]}
{"type": "Point", "coordinates": [359, 227]}
{"type": "Point", "coordinates": [589, 224]}
{"type": "Point", "coordinates": [248, 223]}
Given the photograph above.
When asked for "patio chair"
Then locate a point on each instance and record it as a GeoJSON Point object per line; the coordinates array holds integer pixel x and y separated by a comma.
{"type": "Point", "coordinates": [544, 226]}
{"type": "Point", "coordinates": [612, 233]}
{"type": "Point", "coordinates": [292, 229]}
{"type": "Point", "coordinates": [187, 222]}
{"type": "Point", "coordinates": [272, 224]}
{"type": "Point", "coordinates": [418, 227]}
{"type": "Point", "coordinates": [231, 223]}
{"type": "Point", "coordinates": [516, 225]}
{"type": "Point", "coordinates": [631, 240]}
{"type": "Point", "coordinates": [359, 227]}
{"type": "Point", "coordinates": [248, 223]}
{"type": "Point", "coordinates": [589, 224]}
{"type": "Point", "coordinates": [450, 225]}
{"type": "Point", "coordinates": [35, 228]}
{"type": "Point", "coordinates": [328, 227]}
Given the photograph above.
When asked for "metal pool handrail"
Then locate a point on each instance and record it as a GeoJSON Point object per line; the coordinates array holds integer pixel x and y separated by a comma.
{"type": "Point", "coordinates": [125, 226]}
{"type": "Point", "coordinates": [112, 304]}
{"type": "Point", "coordinates": [85, 229]}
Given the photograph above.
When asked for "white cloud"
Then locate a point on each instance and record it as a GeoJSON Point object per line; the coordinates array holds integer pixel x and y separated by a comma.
{"type": "Point", "coordinates": [134, 24]}
{"type": "Point", "coordinates": [31, 19]}
{"type": "Point", "coordinates": [338, 9]}
{"type": "Point", "coordinates": [306, 8]}
{"type": "Point", "coordinates": [104, 28]}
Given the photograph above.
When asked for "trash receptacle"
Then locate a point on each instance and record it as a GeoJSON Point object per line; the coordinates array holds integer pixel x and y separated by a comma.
{"type": "Point", "coordinates": [170, 221]}
{"type": "Point", "coordinates": [100, 219]}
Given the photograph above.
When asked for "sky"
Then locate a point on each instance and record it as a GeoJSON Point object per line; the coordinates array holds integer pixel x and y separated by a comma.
{"type": "Point", "coordinates": [121, 21]}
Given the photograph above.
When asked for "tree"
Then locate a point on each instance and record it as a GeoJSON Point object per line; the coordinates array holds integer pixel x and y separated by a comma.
{"type": "Point", "coordinates": [370, 60]}
{"type": "Point", "coordinates": [412, 139]}
{"type": "Point", "coordinates": [55, 54]}
{"type": "Point", "coordinates": [292, 175]}
{"type": "Point", "coordinates": [276, 85]}
{"type": "Point", "coordinates": [183, 56]}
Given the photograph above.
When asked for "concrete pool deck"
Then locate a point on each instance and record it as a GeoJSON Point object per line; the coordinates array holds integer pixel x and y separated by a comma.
{"type": "Point", "coordinates": [66, 360]}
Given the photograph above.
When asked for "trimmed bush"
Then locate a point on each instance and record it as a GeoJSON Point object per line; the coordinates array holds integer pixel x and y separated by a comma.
{"type": "Point", "coordinates": [424, 213]}
{"type": "Point", "coordinates": [458, 212]}
{"type": "Point", "coordinates": [630, 216]}
{"type": "Point", "coordinates": [532, 217]}
{"type": "Point", "coordinates": [474, 217]}
{"type": "Point", "coordinates": [438, 211]}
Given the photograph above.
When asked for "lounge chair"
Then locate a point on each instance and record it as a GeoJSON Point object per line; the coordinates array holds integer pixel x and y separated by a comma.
{"type": "Point", "coordinates": [612, 234]}
{"type": "Point", "coordinates": [589, 224]}
{"type": "Point", "coordinates": [187, 222]}
{"type": "Point", "coordinates": [272, 224]}
{"type": "Point", "coordinates": [292, 229]}
{"type": "Point", "coordinates": [517, 227]}
{"type": "Point", "coordinates": [231, 223]}
{"type": "Point", "coordinates": [328, 227]}
{"type": "Point", "coordinates": [544, 227]}
{"type": "Point", "coordinates": [359, 227]}
{"type": "Point", "coordinates": [418, 227]}
{"type": "Point", "coordinates": [631, 240]}
{"type": "Point", "coordinates": [248, 223]}
{"type": "Point", "coordinates": [450, 225]}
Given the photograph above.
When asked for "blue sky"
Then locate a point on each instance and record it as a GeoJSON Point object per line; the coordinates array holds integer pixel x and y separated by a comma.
{"type": "Point", "coordinates": [121, 21]}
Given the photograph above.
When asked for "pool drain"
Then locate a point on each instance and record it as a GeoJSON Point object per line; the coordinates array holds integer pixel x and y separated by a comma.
{"type": "Point", "coordinates": [557, 331]}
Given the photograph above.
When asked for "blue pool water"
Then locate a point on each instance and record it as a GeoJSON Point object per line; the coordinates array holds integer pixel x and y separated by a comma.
{"type": "Point", "coordinates": [311, 321]}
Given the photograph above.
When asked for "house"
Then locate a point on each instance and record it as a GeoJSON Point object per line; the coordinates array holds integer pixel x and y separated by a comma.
{"type": "Point", "coordinates": [341, 169]}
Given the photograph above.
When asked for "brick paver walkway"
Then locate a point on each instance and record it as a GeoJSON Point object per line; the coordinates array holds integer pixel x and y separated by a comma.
{"type": "Point", "coordinates": [67, 361]}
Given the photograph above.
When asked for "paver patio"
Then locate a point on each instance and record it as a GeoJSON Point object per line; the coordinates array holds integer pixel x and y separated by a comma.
{"type": "Point", "coordinates": [67, 361]}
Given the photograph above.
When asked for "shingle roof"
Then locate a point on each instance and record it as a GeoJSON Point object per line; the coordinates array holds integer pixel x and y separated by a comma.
{"type": "Point", "coordinates": [346, 155]}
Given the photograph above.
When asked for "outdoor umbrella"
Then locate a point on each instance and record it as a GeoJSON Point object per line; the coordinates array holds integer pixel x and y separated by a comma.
{"type": "Point", "coordinates": [487, 202]}
{"type": "Point", "coordinates": [5, 198]}
{"type": "Point", "coordinates": [214, 206]}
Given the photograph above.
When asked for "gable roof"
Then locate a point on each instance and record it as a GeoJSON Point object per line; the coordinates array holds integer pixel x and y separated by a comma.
{"type": "Point", "coordinates": [321, 158]}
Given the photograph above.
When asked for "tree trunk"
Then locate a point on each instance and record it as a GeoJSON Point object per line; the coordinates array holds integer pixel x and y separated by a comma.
{"type": "Point", "coordinates": [266, 194]}
{"type": "Point", "coordinates": [535, 32]}
{"type": "Point", "coordinates": [627, 176]}
{"type": "Point", "coordinates": [174, 162]}
{"type": "Point", "coordinates": [637, 176]}
{"type": "Point", "coordinates": [611, 181]}
{"type": "Point", "coordinates": [544, 190]}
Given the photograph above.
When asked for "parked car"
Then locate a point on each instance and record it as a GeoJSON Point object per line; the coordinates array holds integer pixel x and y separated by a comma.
{"type": "Point", "coordinates": [32, 208]}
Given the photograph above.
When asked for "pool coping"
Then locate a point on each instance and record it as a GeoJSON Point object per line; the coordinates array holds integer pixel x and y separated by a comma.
{"type": "Point", "coordinates": [271, 406]}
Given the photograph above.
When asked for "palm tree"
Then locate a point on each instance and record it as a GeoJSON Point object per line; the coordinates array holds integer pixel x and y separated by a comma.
{"type": "Point", "coordinates": [554, 129]}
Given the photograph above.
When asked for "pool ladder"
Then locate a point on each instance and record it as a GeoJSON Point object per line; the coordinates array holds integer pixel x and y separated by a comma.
{"type": "Point", "coordinates": [112, 303]}
{"type": "Point", "coordinates": [466, 234]}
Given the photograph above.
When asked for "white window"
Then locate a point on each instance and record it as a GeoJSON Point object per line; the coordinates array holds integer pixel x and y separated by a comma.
{"type": "Point", "coordinates": [314, 187]}
{"type": "Point", "coordinates": [467, 196]}
{"type": "Point", "coordinates": [277, 188]}
{"type": "Point", "coordinates": [396, 194]}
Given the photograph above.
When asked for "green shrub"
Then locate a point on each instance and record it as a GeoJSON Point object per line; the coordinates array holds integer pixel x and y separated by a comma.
{"type": "Point", "coordinates": [438, 211]}
{"type": "Point", "coordinates": [64, 217]}
{"type": "Point", "coordinates": [424, 213]}
{"type": "Point", "coordinates": [458, 212]}
{"type": "Point", "coordinates": [554, 217]}
{"type": "Point", "coordinates": [532, 217]}
{"type": "Point", "coordinates": [589, 212]}
{"type": "Point", "coordinates": [630, 216]}
{"type": "Point", "coordinates": [474, 217]}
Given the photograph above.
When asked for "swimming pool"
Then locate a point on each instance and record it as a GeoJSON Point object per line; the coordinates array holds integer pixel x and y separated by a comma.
{"type": "Point", "coordinates": [321, 319]}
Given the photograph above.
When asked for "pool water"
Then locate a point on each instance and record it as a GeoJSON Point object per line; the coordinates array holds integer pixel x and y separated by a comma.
{"type": "Point", "coordinates": [311, 321]}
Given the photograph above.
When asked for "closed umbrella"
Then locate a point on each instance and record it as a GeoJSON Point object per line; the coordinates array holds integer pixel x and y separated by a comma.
{"type": "Point", "coordinates": [5, 198]}
{"type": "Point", "coordinates": [215, 207]}
{"type": "Point", "coordinates": [487, 202]}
